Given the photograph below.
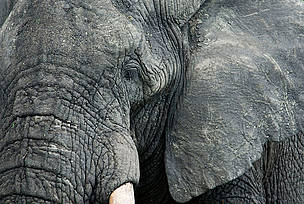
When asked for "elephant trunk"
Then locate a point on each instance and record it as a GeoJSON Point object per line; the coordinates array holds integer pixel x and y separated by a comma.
{"type": "Point", "coordinates": [64, 122]}
{"type": "Point", "coordinates": [60, 142]}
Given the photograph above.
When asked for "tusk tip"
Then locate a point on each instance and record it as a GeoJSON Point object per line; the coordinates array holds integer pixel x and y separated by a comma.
{"type": "Point", "coordinates": [123, 195]}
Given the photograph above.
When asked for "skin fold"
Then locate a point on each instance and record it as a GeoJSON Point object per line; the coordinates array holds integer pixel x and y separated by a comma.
{"type": "Point", "coordinates": [145, 101]}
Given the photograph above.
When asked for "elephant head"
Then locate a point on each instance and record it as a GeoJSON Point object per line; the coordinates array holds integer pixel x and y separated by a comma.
{"type": "Point", "coordinates": [90, 92]}
{"type": "Point", "coordinates": [79, 80]}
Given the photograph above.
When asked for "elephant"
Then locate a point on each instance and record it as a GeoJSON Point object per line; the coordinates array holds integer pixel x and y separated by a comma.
{"type": "Point", "coordinates": [151, 102]}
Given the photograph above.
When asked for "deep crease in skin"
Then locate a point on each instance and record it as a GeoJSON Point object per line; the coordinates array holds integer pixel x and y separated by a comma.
{"type": "Point", "coordinates": [25, 166]}
{"type": "Point", "coordinates": [84, 88]}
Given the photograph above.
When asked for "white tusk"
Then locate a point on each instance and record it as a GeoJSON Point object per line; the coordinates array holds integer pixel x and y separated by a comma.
{"type": "Point", "coordinates": [123, 195]}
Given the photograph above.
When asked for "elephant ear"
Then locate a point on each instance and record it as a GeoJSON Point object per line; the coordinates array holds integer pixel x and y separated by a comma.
{"type": "Point", "coordinates": [246, 89]}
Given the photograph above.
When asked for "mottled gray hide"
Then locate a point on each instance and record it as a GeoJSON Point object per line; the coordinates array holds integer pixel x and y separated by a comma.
{"type": "Point", "coordinates": [246, 89]}
{"type": "Point", "coordinates": [90, 91]}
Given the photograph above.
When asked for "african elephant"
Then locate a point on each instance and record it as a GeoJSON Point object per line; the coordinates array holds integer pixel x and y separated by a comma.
{"type": "Point", "coordinates": [167, 101]}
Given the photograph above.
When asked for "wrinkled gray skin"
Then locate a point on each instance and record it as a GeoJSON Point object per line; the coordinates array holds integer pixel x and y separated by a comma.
{"type": "Point", "coordinates": [191, 101]}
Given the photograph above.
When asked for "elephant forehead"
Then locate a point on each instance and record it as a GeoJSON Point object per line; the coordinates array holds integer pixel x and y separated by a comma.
{"type": "Point", "coordinates": [86, 26]}
{"type": "Point", "coordinates": [88, 33]}
{"type": "Point", "coordinates": [119, 35]}
{"type": "Point", "coordinates": [111, 30]}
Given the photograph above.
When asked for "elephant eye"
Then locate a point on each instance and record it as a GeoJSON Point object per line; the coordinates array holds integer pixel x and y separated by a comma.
{"type": "Point", "coordinates": [131, 69]}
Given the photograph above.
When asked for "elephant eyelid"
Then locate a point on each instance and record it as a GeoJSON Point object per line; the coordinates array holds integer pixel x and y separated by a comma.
{"type": "Point", "coordinates": [131, 69]}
